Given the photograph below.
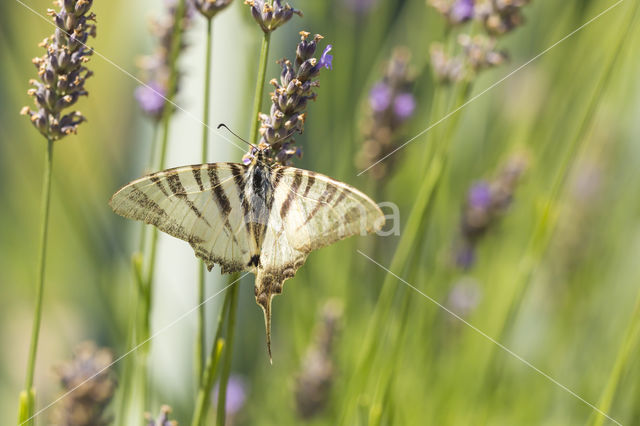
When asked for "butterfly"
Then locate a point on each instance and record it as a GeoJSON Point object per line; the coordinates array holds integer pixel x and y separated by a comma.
{"type": "Point", "coordinates": [264, 218]}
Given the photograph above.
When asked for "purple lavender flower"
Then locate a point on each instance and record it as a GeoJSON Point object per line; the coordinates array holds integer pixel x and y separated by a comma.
{"type": "Point", "coordinates": [326, 59]}
{"type": "Point", "coordinates": [293, 91]}
{"type": "Point", "coordinates": [465, 256]}
{"type": "Point", "coordinates": [479, 196]}
{"type": "Point", "coordinates": [404, 105]}
{"type": "Point", "coordinates": [271, 16]}
{"type": "Point", "coordinates": [380, 97]}
{"type": "Point", "coordinates": [462, 10]}
{"type": "Point", "coordinates": [236, 395]}
{"type": "Point", "coordinates": [163, 418]}
{"type": "Point", "coordinates": [156, 67]}
{"type": "Point", "coordinates": [151, 98]}
{"type": "Point", "coordinates": [61, 70]}
{"type": "Point", "coordinates": [209, 8]}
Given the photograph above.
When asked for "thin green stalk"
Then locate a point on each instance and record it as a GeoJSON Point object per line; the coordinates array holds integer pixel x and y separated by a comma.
{"type": "Point", "coordinates": [257, 100]}
{"type": "Point", "coordinates": [27, 397]}
{"type": "Point", "coordinates": [628, 345]}
{"type": "Point", "coordinates": [202, 400]}
{"type": "Point", "coordinates": [201, 338]}
{"type": "Point", "coordinates": [226, 366]}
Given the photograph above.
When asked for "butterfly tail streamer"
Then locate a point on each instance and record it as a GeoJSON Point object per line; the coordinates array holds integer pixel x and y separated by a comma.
{"type": "Point", "coordinates": [267, 286]}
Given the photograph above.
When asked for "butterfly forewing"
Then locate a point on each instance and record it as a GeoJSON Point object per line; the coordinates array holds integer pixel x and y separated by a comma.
{"type": "Point", "coordinates": [199, 204]}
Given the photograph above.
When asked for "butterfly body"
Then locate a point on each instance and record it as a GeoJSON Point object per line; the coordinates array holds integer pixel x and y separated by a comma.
{"type": "Point", "coordinates": [262, 218]}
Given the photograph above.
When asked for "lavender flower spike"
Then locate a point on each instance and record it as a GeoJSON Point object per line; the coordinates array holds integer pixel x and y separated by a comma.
{"type": "Point", "coordinates": [270, 17]}
{"type": "Point", "coordinates": [163, 418]}
{"type": "Point", "coordinates": [292, 93]}
{"type": "Point", "coordinates": [61, 70]}
{"type": "Point", "coordinates": [209, 8]}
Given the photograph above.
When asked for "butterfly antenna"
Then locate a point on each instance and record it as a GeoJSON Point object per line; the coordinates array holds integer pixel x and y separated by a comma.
{"type": "Point", "coordinates": [234, 134]}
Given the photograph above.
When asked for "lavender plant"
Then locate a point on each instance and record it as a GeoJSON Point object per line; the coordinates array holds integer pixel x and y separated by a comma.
{"type": "Point", "coordinates": [156, 68]}
{"type": "Point", "coordinates": [391, 104]}
{"type": "Point", "coordinates": [269, 16]}
{"type": "Point", "coordinates": [289, 100]}
{"type": "Point", "coordinates": [162, 419]}
{"type": "Point", "coordinates": [314, 382]}
{"type": "Point", "coordinates": [93, 384]}
{"type": "Point", "coordinates": [486, 202]}
{"type": "Point", "coordinates": [62, 74]}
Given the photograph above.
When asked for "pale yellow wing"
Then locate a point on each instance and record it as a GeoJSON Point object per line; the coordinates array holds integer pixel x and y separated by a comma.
{"type": "Point", "coordinates": [200, 204]}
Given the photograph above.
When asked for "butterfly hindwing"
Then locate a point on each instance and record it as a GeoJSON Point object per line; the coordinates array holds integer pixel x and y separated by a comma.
{"type": "Point", "coordinates": [200, 204]}
{"type": "Point", "coordinates": [309, 211]}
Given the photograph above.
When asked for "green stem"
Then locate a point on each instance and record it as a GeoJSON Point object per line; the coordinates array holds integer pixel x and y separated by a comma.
{"type": "Point", "coordinates": [206, 383]}
{"type": "Point", "coordinates": [29, 398]}
{"type": "Point", "coordinates": [201, 338]}
{"type": "Point", "coordinates": [226, 367]}
{"type": "Point", "coordinates": [257, 100]}
{"type": "Point", "coordinates": [627, 347]}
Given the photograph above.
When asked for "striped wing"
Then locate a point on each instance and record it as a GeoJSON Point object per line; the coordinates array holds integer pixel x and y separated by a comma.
{"type": "Point", "coordinates": [309, 211]}
{"type": "Point", "coordinates": [199, 204]}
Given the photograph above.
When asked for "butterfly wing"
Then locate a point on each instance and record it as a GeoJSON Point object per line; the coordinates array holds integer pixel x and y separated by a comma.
{"type": "Point", "coordinates": [309, 211]}
{"type": "Point", "coordinates": [200, 204]}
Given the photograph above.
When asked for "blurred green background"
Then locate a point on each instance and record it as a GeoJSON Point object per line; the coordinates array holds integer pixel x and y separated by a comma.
{"type": "Point", "coordinates": [574, 302]}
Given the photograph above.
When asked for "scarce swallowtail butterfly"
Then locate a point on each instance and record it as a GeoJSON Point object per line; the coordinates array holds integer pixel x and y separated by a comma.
{"type": "Point", "coordinates": [258, 217]}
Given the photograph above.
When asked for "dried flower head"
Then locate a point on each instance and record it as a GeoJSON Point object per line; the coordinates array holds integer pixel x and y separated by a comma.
{"type": "Point", "coordinates": [156, 68]}
{"type": "Point", "coordinates": [163, 418]}
{"type": "Point", "coordinates": [314, 382]}
{"type": "Point", "coordinates": [391, 104]}
{"type": "Point", "coordinates": [271, 16]}
{"type": "Point", "coordinates": [479, 52]}
{"type": "Point", "coordinates": [61, 70]}
{"type": "Point", "coordinates": [447, 69]}
{"type": "Point", "coordinates": [289, 99]}
{"type": "Point", "coordinates": [209, 8]}
{"type": "Point", "coordinates": [85, 406]}
{"type": "Point", "coordinates": [500, 16]}
{"type": "Point", "coordinates": [455, 11]}
{"type": "Point", "coordinates": [486, 202]}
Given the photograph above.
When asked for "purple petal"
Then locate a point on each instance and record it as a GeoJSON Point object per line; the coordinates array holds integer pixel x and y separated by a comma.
{"type": "Point", "coordinates": [326, 59]}
{"type": "Point", "coordinates": [479, 195]}
{"type": "Point", "coordinates": [236, 395]}
{"type": "Point", "coordinates": [462, 11]}
{"type": "Point", "coordinates": [404, 105]}
{"type": "Point", "coordinates": [151, 98]}
{"type": "Point", "coordinates": [380, 97]}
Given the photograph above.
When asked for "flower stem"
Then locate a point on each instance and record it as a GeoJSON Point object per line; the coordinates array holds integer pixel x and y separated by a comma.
{"type": "Point", "coordinates": [627, 347]}
{"type": "Point", "coordinates": [257, 100]}
{"type": "Point", "coordinates": [206, 383]}
{"type": "Point", "coordinates": [226, 366]}
{"type": "Point", "coordinates": [201, 334]}
{"type": "Point", "coordinates": [27, 400]}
